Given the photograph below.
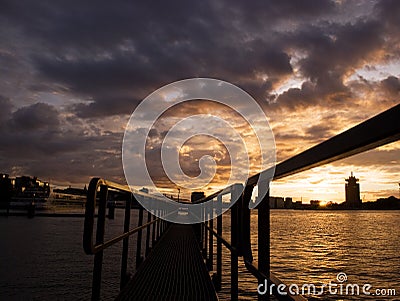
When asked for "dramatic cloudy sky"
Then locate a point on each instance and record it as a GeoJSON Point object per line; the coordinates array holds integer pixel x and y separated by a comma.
{"type": "Point", "coordinates": [72, 72]}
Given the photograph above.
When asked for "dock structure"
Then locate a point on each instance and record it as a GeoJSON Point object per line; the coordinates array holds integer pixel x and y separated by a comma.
{"type": "Point", "coordinates": [180, 258]}
{"type": "Point", "coordinates": [174, 270]}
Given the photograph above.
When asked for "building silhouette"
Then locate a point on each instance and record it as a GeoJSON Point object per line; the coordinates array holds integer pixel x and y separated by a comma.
{"type": "Point", "coordinates": [196, 195]}
{"type": "Point", "coordinates": [276, 202]}
{"type": "Point", "coordinates": [288, 202]}
{"type": "Point", "coordinates": [352, 188]}
{"type": "Point", "coordinates": [6, 189]}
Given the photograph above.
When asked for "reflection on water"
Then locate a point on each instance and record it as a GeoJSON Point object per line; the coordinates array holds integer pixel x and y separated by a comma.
{"type": "Point", "coordinates": [43, 259]}
{"type": "Point", "coordinates": [362, 244]}
{"type": "Point", "coordinates": [312, 247]}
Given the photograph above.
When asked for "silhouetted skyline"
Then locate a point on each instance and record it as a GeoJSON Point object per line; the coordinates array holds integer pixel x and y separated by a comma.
{"type": "Point", "coordinates": [69, 82]}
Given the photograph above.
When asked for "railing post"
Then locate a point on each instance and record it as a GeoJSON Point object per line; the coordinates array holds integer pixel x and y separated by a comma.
{"type": "Point", "coordinates": [201, 231]}
{"type": "Point", "coordinates": [234, 242]}
{"type": "Point", "coordinates": [153, 231]}
{"type": "Point", "coordinates": [264, 238]}
{"type": "Point", "coordinates": [158, 226]}
{"type": "Point", "coordinates": [98, 257]}
{"type": "Point", "coordinates": [139, 239]}
{"type": "Point", "coordinates": [219, 244]}
{"type": "Point", "coordinates": [202, 236]}
{"type": "Point", "coordinates": [205, 235]}
{"type": "Point", "coordinates": [163, 223]}
{"type": "Point", "coordinates": [148, 233]}
{"type": "Point", "coordinates": [210, 240]}
{"type": "Point", "coordinates": [125, 242]}
{"type": "Point", "coordinates": [244, 229]}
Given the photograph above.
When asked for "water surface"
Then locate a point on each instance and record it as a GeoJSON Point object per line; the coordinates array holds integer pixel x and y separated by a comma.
{"type": "Point", "coordinates": [42, 258]}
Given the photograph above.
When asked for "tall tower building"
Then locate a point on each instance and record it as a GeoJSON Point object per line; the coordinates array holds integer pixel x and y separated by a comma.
{"type": "Point", "coordinates": [352, 188]}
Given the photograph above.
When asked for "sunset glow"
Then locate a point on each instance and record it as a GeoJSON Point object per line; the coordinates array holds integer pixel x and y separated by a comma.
{"type": "Point", "coordinates": [316, 70]}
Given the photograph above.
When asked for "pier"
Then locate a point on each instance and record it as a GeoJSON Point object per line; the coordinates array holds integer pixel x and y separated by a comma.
{"type": "Point", "coordinates": [179, 261]}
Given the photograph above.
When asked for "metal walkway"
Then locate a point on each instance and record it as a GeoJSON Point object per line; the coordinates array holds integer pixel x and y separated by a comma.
{"type": "Point", "coordinates": [174, 270]}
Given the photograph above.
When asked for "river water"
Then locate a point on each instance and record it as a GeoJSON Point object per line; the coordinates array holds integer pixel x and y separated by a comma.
{"type": "Point", "coordinates": [42, 258]}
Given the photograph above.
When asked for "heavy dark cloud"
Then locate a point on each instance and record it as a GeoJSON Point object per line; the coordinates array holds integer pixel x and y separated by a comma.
{"type": "Point", "coordinates": [36, 140]}
{"type": "Point", "coordinates": [5, 109]}
{"type": "Point", "coordinates": [34, 117]}
{"type": "Point", "coordinates": [333, 52]}
{"type": "Point", "coordinates": [113, 54]}
{"type": "Point", "coordinates": [68, 68]}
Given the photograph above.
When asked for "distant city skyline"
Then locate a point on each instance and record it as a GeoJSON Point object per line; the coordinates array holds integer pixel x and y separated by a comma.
{"type": "Point", "coordinates": [174, 195]}
{"type": "Point", "coordinates": [69, 82]}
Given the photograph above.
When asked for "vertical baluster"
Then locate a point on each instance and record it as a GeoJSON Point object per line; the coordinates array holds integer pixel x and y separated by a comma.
{"type": "Point", "coordinates": [264, 238]}
{"type": "Point", "coordinates": [163, 223]}
{"type": "Point", "coordinates": [205, 235]}
{"type": "Point", "coordinates": [234, 242]}
{"type": "Point", "coordinates": [210, 239]}
{"type": "Point", "coordinates": [125, 242]}
{"type": "Point", "coordinates": [219, 244]}
{"type": "Point", "coordinates": [201, 230]}
{"type": "Point", "coordinates": [139, 239]}
{"type": "Point", "coordinates": [245, 219]}
{"type": "Point", "coordinates": [158, 226]}
{"type": "Point", "coordinates": [153, 232]}
{"type": "Point", "coordinates": [148, 228]}
{"type": "Point", "coordinates": [98, 257]}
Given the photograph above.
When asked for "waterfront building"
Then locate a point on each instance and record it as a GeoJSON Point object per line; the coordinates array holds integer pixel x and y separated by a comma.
{"type": "Point", "coordinates": [288, 203]}
{"type": "Point", "coordinates": [352, 188]}
{"type": "Point", "coordinates": [276, 202]}
{"type": "Point", "coordinates": [298, 205]}
{"type": "Point", "coordinates": [197, 195]}
{"type": "Point", "coordinates": [315, 203]}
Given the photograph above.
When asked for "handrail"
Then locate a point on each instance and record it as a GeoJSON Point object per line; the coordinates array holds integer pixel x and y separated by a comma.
{"type": "Point", "coordinates": [101, 187]}
{"type": "Point", "coordinates": [253, 268]}
{"type": "Point", "coordinates": [358, 139]}
{"type": "Point", "coordinates": [122, 236]}
{"type": "Point", "coordinates": [379, 130]}
{"type": "Point", "coordinates": [95, 183]}
{"type": "Point", "coordinates": [382, 129]}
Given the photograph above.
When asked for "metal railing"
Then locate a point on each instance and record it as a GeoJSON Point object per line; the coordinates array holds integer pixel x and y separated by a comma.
{"type": "Point", "coordinates": [377, 131]}
{"type": "Point", "coordinates": [240, 242]}
{"type": "Point", "coordinates": [97, 197]}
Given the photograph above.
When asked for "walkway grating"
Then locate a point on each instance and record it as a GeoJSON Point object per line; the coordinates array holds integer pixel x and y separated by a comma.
{"type": "Point", "coordinates": [174, 270]}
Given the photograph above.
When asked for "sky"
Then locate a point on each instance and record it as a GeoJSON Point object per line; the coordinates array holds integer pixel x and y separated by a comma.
{"type": "Point", "coordinates": [72, 73]}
